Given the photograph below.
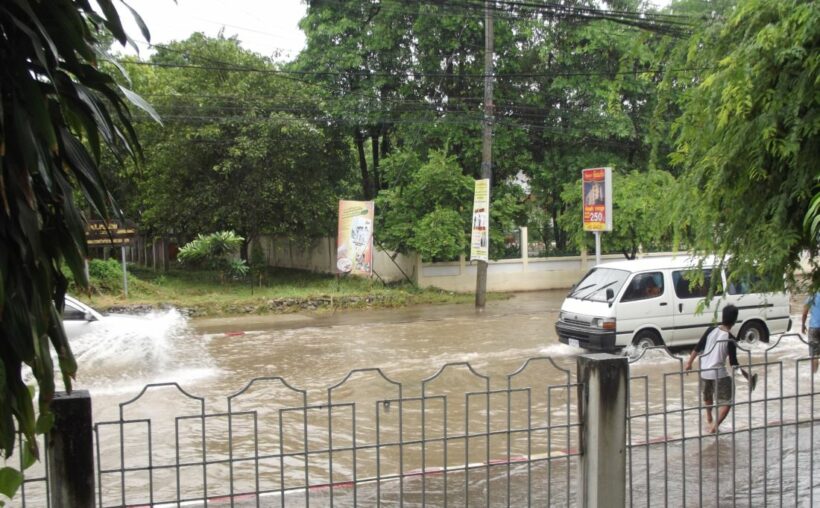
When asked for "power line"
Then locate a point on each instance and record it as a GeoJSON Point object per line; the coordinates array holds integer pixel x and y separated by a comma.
{"type": "Point", "coordinates": [408, 74]}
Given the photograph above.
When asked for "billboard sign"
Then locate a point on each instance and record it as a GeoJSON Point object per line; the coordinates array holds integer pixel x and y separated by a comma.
{"type": "Point", "coordinates": [480, 237]}
{"type": "Point", "coordinates": [597, 194]}
{"type": "Point", "coordinates": [354, 241]}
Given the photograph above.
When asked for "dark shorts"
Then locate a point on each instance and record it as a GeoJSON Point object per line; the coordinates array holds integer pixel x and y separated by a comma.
{"type": "Point", "coordinates": [814, 341]}
{"type": "Point", "coordinates": [720, 390]}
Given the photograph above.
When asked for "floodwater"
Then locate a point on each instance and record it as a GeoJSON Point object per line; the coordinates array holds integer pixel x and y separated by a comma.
{"type": "Point", "coordinates": [501, 414]}
{"type": "Point", "coordinates": [216, 357]}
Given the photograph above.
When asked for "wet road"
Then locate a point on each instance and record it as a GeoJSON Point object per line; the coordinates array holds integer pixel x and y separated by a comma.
{"type": "Point", "coordinates": [216, 358]}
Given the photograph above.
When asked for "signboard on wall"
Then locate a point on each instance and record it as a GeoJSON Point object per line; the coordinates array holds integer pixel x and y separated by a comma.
{"type": "Point", "coordinates": [354, 241]}
{"type": "Point", "coordinates": [480, 237]}
{"type": "Point", "coordinates": [597, 194]}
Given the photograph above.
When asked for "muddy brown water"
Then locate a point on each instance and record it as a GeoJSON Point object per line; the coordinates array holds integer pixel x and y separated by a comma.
{"type": "Point", "coordinates": [213, 359]}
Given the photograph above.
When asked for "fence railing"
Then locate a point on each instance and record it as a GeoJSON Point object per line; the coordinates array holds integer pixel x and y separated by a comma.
{"type": "Point", "coordinates": [542, 435]}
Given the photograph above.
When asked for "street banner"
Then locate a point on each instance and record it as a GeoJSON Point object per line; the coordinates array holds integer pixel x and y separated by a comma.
{"type": "Point", "coordinates": [354, 243]}
{"type": "Point", "coordinates": [597, 193]}
{"type": "Point", "coordinates": [480, 238]}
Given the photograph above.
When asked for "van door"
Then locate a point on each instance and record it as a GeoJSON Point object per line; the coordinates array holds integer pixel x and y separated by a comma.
{"type": "Point", "coordinates": [689, 295]}
{"type": "Point", "coordinates": [645, 303]}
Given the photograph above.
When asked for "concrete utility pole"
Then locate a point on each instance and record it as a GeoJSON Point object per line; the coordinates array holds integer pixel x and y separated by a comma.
{"type": "Point", "coordinates": [486, 139]}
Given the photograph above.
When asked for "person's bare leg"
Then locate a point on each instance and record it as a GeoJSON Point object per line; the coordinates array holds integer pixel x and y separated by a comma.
{"type": "Point", "coordinates": [708, 413]}
{"type": "Point", "coordinates": [722, 413]}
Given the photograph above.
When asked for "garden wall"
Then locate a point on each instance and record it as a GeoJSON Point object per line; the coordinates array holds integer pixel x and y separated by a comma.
{"type": "Point", "coordinates": [522, 274]}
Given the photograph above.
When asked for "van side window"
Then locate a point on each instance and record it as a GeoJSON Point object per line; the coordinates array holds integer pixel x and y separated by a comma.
{"type": "Point", "coordinates": [685, 288]}
{"type": "Point", "coordinates": [742, 287]}
{"type": "Point", "coordinates": [72, 313]}
{"type": "Point", "coordinates": [643, 286]}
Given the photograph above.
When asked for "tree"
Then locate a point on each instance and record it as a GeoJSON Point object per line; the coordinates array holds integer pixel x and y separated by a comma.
{"type": "Point", "coordinates": [748, 140]}
{"type": "Point", "coordinates": [641, 213]}
{"type": "Point", "coordinates": [427, 207]}
{"type": "Point", "coordinates": [58, 113]}
{"type": "Point", "coordinates": [429, 211]}
{"type": "Point", "coordinates": [242, 147]}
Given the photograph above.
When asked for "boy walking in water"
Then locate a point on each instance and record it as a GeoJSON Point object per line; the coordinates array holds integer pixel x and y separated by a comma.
{"type": "Point", "coordinates": [715, 346]}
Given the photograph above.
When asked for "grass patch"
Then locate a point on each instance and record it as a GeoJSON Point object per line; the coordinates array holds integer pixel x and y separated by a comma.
{"type": "Point", "coordinates": [204, 293]}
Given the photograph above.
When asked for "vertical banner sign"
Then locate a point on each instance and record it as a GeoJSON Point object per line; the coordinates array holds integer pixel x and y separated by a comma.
{"type": "Point", "coordinates": [597, 192]}
{"type": "Point", "coordinates": [354, 243]}
{"type": "Point", "coordinates": [480, 239]}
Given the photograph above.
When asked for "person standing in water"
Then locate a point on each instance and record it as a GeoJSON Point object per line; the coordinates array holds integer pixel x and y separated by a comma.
{"type": "Point", "coordinates": [716, 345]}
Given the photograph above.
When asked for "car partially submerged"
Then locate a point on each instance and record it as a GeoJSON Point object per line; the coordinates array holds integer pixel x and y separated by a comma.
{"type": "Point", "coordinates": [79, 318]}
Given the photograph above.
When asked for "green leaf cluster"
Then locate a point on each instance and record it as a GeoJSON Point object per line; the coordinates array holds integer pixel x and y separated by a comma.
{"type": "Point", "coordinates": [748, 140]}
{"type": "Point", "coordinates": [429, 208]}
{"type": "Point", "coordinates": [216, 251]}
{"type": "Point", "coordinates": [58, 112]}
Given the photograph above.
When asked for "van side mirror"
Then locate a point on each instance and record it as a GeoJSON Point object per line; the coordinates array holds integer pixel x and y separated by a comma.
{"type": "Point", "coordinates": [610, 294]}
{"type": "Point", "coordinates": [89, 317]}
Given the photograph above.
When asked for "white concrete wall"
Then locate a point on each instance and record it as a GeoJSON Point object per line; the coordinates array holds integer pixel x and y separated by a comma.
{"type": "Point", "coordinates": [320, 256]}
{"type": "Point", "coordinates": [523, 274]}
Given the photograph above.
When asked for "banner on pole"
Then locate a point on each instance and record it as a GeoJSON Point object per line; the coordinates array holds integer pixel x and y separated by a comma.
{"type": "Point", "coordinates": [480, 238]}
{"type": "Point", "coordinates": [354, 243]}
{"type": "Point", "coordinates": [597, 194]}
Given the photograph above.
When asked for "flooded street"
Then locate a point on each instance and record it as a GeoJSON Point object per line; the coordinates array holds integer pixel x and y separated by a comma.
{"type": "Point", "coordinates": [506, 405]}
{"type": "Point", "coordinates": [214, 358]}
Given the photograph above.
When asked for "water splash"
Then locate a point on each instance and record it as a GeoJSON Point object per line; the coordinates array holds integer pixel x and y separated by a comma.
{"type": "Point", "coordinates": [124, 351]}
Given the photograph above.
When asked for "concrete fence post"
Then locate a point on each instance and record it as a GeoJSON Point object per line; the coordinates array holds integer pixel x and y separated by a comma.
{"type": "Point", "coordinates": [70, 451]}
{"type": "Point", "coordinates": [602, 395]}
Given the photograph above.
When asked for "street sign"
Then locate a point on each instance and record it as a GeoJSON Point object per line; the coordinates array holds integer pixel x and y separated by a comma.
{"type": "Point", "coordinates": [109, 233]}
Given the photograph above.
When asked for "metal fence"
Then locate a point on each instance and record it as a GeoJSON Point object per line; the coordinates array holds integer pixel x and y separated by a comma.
{"type": "Point", "coordinates": [764, 454]}
{"type": "Point", "coordinates": [367, 443]}
{"type": "Point", "coordinates": [455, 440]}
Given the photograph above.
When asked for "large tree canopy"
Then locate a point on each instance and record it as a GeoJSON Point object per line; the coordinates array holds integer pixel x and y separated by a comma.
{"type": "Point", "coordinates": [59, 111]}
{"type": "Point", "coordinates": [241, 148]}
{"type": "Point", "coordinates": [748, 139]}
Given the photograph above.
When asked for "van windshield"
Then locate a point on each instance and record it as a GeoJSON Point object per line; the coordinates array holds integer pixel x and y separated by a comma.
{"type": "Point", "coordinates": [597, 281]}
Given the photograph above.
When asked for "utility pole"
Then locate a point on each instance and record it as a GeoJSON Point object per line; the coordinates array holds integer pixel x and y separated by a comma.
{"type": "Point", "coordinates": [486, 139]}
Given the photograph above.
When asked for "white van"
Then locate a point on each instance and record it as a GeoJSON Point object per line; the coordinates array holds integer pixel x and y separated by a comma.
{"type": "Point", "coordinates": [653, 301]}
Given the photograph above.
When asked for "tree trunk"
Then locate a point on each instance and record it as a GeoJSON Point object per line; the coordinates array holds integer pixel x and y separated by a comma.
{"type": "Point", "coordinates": [243, 249]}
{"type": "Point", "coordinates": [375, 149]}
{"type": "Point", "coordinates": [362, 164]}
{"type": "Point", "coordinates": [385, 147]}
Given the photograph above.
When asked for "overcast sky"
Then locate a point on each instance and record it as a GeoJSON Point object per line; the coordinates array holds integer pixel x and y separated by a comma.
{"type": "Point", "coordinates": [268, 27]}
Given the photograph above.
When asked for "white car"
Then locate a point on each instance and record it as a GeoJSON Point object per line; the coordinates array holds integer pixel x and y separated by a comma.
{"type": "Point", "coordinates": [79, 319]}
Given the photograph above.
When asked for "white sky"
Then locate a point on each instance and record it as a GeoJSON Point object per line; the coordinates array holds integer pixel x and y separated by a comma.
{"type": "Point", "coordinates": [268, 27]}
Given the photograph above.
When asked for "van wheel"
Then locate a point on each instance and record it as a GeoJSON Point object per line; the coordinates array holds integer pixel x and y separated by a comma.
{"type": "Point", "coordinates": [754, 332]}
{"type": "Point", "coordinates": [645, 339]}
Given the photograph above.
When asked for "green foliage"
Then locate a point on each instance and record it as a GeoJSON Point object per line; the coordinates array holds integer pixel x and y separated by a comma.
{"type": "Point", "coordinates": [104, 276]}
{"type": "Point", "coordinates": [58, 112]}
{"type": "Point", "coordinates": [430, 213]}
{"type": "Point", "coordinates": [748, 140]}
{"type": "Point", "coordinates": [641, 212]}
{"type": "Point", "coordinates": [10, 480]}
{"type": "Point", "coordinates": [439, 235]}
{"type": "Point", "coordinates": [240, 150]}
{"type": "Point", "coordinates": [210, 251]}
